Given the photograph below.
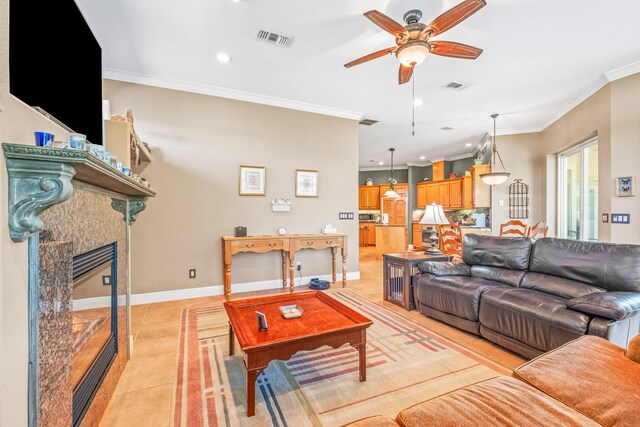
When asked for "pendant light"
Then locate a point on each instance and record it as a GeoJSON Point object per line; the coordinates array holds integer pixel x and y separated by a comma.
{"type": "Point", "coordinates": [391, 193]}
{"type": "Point", "coordinates": [494, 177]}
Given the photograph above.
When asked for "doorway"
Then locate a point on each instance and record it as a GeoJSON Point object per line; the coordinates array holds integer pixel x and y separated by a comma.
{"type": "Point", "coordinates": [578, 192]}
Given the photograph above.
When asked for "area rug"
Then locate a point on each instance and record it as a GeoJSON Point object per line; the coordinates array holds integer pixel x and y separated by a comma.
{"type": "Point", "coordinates": [406, 364]}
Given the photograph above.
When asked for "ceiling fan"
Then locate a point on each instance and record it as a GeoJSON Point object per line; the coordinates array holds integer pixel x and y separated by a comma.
{"type": "Point", "coordinates": [414, 40]}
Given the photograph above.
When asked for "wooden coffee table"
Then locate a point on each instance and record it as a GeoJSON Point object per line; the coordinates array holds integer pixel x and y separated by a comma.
{"type": "Point", "coordinates": [325, 321]}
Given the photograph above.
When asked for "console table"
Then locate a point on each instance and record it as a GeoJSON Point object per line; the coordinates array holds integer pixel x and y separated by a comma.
{"type": "Point", "coordinates": [287, 245]}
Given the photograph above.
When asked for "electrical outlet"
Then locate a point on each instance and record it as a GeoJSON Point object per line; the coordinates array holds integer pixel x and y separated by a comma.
{"type": "Point", "coordinates": [192, 273]}
{"type": "Point", "coordinates": [298, 265]}
{"type": "Point", "coordinates": [106, 280]}
{"type": "Point", "coordinates": [500, 202]}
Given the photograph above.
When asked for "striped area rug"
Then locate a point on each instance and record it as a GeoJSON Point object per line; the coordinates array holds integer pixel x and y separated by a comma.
{"type": "Point", "coordinates": [406, 363]}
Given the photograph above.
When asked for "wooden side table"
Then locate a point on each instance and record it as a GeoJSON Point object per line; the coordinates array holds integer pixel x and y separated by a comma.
{"type": "Point", "coordinates": [399, 272]}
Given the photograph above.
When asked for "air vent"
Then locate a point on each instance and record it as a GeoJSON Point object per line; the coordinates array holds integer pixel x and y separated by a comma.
{"type": "Point", "coordinates": [456, 86]}
{"type": "Point", "coordinates": [446, 128]}
{"type": "Point", "coordinates": [368, 122]}
{"type": "Point", "coordinates": [273, 38]}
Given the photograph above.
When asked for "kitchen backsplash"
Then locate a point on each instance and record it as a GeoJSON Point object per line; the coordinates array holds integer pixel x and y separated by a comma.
{"type": "Point", "coordinates": [462, 217]}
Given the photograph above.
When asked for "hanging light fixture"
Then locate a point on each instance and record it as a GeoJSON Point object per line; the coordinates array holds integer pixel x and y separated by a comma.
{"type": "Point", "coordinates": [494, 177]}
{"type": "Point", "coordinates": [391, 193]}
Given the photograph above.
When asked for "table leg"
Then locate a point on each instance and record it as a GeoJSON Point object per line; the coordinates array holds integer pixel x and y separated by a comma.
{"type": "Point", "coordinates": [333, 262]}
{"type": "Point", "coordinates": [252, 376]}
{"type": "Point", "coordinates": [292, 261]}
{"type": "Point", "coordinates": [232, 341]}
{"type": "Point", "coordinates": [362, 361]}
{"type": "Point", "coordinates": [284, 268]}
{"type": "Point", "coordinates": [226, 263]}
{"type": "Point", "coordinates": [344, 267]}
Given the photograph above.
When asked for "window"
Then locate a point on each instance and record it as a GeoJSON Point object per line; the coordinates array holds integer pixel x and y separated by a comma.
{"type": "Point", "coordinates": [578, 192]}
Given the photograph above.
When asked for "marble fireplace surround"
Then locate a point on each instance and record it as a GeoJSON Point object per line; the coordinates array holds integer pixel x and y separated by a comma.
{"type": "Point", "coordinates": [66, 203]}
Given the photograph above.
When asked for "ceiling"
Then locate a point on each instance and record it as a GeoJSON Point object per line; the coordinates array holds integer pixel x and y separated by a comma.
{"type": "Point", "coordinates": [540, 58]}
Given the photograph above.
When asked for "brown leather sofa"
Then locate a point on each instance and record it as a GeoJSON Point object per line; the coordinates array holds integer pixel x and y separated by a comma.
{"type": "Point", "coordinates": [534, 297]}
{"type": "Point", "coordinates": [587, 382]}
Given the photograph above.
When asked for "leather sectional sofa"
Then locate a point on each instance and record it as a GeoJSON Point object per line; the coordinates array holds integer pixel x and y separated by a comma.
{"type": "Point", "coordinates": [534, 297]}
{"type": "Point", "coordinates": [587, 382]}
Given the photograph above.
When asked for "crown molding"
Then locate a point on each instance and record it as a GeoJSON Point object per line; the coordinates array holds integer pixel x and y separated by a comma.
{"type": "Point", "coordinates": [382, 168]}
{"type": "Point", "coordinates": [238, 95]}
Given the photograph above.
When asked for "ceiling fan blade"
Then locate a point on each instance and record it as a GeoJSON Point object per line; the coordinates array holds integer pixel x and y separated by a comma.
{"type": "Point", "coordinates": [405, 73]}
{"type": "Point", "coordinates": [452, 17]}
{"type": "Point", "coordinates": [455, 50]}
{"type": "Point", "coordinates": [386, 23]}
{"type": "Point", "coordinates": [371, 56]}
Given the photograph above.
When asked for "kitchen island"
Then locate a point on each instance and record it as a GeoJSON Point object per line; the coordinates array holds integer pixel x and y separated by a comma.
{"type": "Point", "coordinates": [391, 238]}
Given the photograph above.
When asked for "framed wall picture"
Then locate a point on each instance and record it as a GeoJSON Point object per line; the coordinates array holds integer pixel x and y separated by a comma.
{"type": "Point", "coordinates": [626, 186]}
{"type": "Point", "coordinates": [306, 183]}
{"type": "Point", "coordinates": [253, 180]}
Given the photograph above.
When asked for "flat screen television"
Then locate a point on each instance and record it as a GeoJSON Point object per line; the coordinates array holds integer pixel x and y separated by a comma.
{"type": "Point", "coordinates": [55, 63]}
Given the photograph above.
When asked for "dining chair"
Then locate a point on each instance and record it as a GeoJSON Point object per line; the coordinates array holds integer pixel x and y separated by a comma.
{"type": "Point", "coordinates": [451, 240]}
{"type": "Point", "coordinates": [513, 228]}
{"type": "Point", "coordinates": [537, 231]}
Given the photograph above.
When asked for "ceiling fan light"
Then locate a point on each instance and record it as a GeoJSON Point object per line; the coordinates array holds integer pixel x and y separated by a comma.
{"type": "Point", "coordinates": [494, 178]}
{"type": "Point", "coordinates": [413, 53]}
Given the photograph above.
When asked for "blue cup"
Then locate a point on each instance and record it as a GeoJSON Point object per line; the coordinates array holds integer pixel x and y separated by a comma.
{"type": "Point", "coordinates": [44, 139]}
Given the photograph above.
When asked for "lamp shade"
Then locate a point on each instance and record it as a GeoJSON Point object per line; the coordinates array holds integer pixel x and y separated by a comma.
{"type": "Point", "coordinates": [494, 178]}
{"type": "Point", "coordinates": [390, 193]}
{"type": "Point", "coordinates": [413, 53]}
{"type": "Point", "coordinates": [434, 215]}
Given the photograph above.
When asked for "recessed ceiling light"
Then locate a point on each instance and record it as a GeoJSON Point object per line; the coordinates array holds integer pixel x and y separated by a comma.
{"type": "Point", "coordinates": [223, 57]}
{"type": "Point", "coordinates": [468, 144]}
{"type": "Point", "coordinates": [381, 163]}
{"type": "Point", "coordinates": [235, 1]}
{"type": "Point", "coordinates": [418, 102]}
{"type": "Point", "coordinates": [422, 157]}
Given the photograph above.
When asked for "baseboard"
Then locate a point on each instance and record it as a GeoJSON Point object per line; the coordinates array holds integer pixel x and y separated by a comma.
{"type": "Point", "coordinates": [208, 291]}
{"type": "Point", "coordinates": [97, 302]}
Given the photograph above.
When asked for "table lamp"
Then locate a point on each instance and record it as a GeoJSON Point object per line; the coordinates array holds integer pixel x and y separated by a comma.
{"type": "Point", "coordinates": [434, 216]}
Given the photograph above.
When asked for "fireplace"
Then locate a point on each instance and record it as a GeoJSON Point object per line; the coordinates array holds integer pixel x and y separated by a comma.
{"type": "Point", "coordinates": [94, 324]}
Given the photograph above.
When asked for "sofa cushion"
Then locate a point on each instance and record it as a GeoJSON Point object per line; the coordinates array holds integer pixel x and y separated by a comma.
{"type": "Point", "coordinates": [502, 252]}
{"type": "Point", "coordinates": [559, 286]}
{"type": "Point", "coordinates": [457, 295]}
{"type": "Point", "coordinates": [537, 319]}
{"type": "Point", "coordinates": [610, 305]}
{"type": "Point", "coordinates": [440, 268]}
{"type": "Point", "coordinates": [592, 376]}
{"type": "Point", "coordinates": [502, 275]}
{"type": "Point", "coordinates": [501, 401]}
{"type": "Point", "coordinates": [606, 265]}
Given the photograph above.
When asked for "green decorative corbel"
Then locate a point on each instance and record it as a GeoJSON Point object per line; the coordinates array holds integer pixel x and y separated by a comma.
{"type": "Point", "coordinates": [35, 186]}
{"type": "Point", "coordinates": [136, 205]}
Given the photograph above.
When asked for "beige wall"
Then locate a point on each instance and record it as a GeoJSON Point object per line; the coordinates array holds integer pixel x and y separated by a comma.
{"type": "Point", "coordinates": [521, 158]}
{"type": "Point", "coordinates": [17, 124]}
{"type": "Point", "coordinates": [625, 153]}
{"type": "Point", "coordinates": [198, 143]}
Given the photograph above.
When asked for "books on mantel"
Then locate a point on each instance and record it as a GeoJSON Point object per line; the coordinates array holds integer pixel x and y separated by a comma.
{"type": "Point", "coordinates": [290, 311]}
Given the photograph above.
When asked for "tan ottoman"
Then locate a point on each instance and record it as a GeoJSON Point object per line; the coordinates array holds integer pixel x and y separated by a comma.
{"type": "Point", "coordinates": [502, 401]}
{"type": "Point", "coordinates": [375, 421]}
{"type": "Point", "coordinates": [591, 375]}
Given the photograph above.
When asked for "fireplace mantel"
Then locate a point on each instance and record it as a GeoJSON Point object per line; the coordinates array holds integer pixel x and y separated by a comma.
{"type": "Point", "coordinates": [42, 177]}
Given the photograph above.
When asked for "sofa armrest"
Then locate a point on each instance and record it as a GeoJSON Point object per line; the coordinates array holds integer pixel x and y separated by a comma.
{"type": "Point", "coordinates": [610, 305]}
{"type": "Point", "coordinates": [441, 268]}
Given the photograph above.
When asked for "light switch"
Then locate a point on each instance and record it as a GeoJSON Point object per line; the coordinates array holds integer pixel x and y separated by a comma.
{"type": "Point", "coordinates": [500, 202]}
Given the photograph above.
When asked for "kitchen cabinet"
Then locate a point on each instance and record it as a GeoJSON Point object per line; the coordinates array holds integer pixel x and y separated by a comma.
{"type": "Point", "coordinates": [481, 191]}
{"type": "Point", "coordinates": [367, 234]}
{"type": "Point", "coordinates": [421, 195]}
{"type": "Point", "coordinates": [369, 197]}
{"type": "Point", "coordinates": [466, 192]}
{"type": "Point", "coordinates": [402, 189]}
{"type": "Point", "coordinates": [417, 235]}
{"type": "Point", "coordinates": [396, 209]}
{"type": "Point", "coordinates": [443, 194]}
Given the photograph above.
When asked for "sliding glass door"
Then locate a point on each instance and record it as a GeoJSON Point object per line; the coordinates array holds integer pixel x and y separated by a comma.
{"type": "Point", "coordinates": [578, 192]}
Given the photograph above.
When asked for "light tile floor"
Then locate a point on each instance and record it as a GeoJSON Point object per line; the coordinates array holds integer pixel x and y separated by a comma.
{"type": "Point", "coordinates": [143, 395]}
